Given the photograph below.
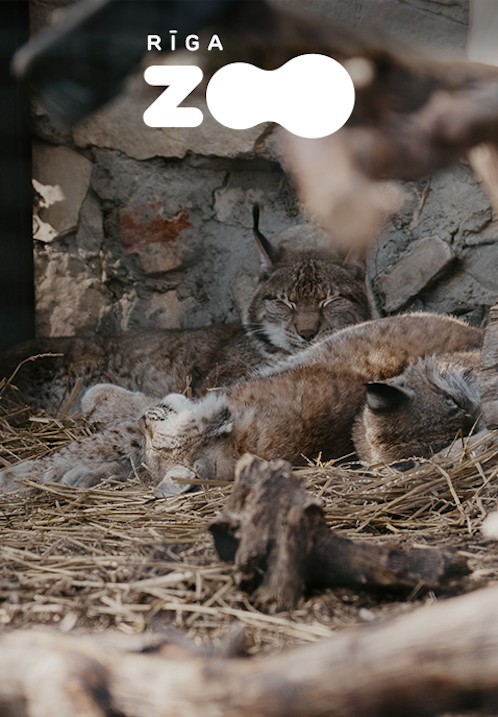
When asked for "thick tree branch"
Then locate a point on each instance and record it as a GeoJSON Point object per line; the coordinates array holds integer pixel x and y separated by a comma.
{"type": "Point", "coordinates": [440, 657]}
{"type": "Point", "coordinates": [276, 534]}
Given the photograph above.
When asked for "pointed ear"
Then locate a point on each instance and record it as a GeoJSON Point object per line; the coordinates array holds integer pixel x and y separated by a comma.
{"type": "Point", "coordinates": [269, 253]}
{"type": "Point", "coordinates": [223, 422]}
{"type": "Point", "coordinates": [356, 264]}
{"type": "Point", "coordinates": [382, 397]}
{"type": "Point", "coordinates": [214, 415]}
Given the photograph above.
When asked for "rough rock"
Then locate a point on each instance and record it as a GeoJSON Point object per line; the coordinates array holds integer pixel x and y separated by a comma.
{"type": "Point", "coordinates": [428, 23]}
{"type": "Point", "coordinates": [146, 224]}
{"type": "Point", "coordinates": [452, 206]}
{"type": "Point", "coordinates": [158, 258]}
{"type": "Point", "coordinates": [166, 311]}
{"type": "Point", "coordinates": [90, 233]}
{"type": "Point", "coordinates": [70, 299]}
{"type": "Point", "coordinates": [414, 271]}
{"type": "Point", "coordinates": [459, 294]}
{"type": "Point", "coordinates": [120, 126]}
{"type": "Point", "coordinates": [481, 264]}
{"type": "Point", "coordinates": [68, 173]}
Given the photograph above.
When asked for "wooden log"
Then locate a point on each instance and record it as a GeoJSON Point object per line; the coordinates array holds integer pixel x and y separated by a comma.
{"type": "Point", "coordinates": [488, 371]}
{"type": "Point", "coordinates": [440, 657]}
{"type": "Point", "coordinates": [276, 534]}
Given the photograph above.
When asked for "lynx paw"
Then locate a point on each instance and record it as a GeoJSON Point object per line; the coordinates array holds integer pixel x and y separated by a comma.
{"type": "Point", "coordinates": [84, 477]}
{"type": "Point", "coordinates": [79, 476]}
{"type": "Point", "coordinates": [11, 478]}
{"type": "Point", "coordinates": [110, 452]}
{"type": "Point", "coordinates": [170, 485]}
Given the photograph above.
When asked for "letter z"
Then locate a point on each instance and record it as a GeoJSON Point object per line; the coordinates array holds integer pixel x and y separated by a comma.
{"type": "Point", "coordinates": [181, 81]}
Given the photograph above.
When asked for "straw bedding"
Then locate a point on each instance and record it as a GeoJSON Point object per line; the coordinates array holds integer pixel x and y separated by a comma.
{"type": "Point", "coordinates": [114, 556]}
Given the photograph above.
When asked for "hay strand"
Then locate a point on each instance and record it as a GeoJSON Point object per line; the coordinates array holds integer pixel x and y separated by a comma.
{"type": "Point", "coordinates": [115, 556]}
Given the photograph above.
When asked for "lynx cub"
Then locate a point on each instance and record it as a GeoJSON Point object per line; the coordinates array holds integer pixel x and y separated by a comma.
{"type": "Point", "coordinates": [309, 404]}
{"type": "Point", "coordinates": [301, 297]}
{"type": "Point", "coordinates": [419, 412]}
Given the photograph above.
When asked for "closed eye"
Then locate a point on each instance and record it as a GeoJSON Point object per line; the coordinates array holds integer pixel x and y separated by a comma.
{"type": "Point", "coordinates": [329, 300]}
{"type": "Point", "coordinates": [456, 405]}
{"type": "Point", "coordinates": [288, 304]}
{"type": "Point", "coordinates": [459, 404]}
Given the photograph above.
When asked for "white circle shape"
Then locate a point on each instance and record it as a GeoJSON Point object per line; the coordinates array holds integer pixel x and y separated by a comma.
{"type": "Point", "coordinates": [312, 96]}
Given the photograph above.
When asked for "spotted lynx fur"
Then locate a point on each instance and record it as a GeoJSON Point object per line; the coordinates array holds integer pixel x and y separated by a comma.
{"type": "Point", "coordinates": [319, 402]}
{"type": "Point", "coordinates": [301, 297]}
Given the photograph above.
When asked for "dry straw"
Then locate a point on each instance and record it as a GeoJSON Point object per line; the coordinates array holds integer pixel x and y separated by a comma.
{"type": "Point", "coordinates": [115, 556]}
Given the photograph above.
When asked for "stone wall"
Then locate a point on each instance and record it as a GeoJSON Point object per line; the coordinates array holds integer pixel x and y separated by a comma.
{"type": "Point", "coordinates": [140, 228]}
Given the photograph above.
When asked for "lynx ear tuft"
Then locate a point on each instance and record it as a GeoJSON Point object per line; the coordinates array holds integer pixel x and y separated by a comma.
{"type": "Point", "coordinates": [269, 253]}
{"type": "Point", "coordinates": [357, 269]}
{"type": "Point", "coordinates": [383, 397]}
{"type": "Point", "coordinates": [222, 422]}
{"type": "Point", "coordinates": [213, 415]}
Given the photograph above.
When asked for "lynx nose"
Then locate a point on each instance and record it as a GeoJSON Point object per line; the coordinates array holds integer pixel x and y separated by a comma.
{"type": "Point", "coordinates": [307, 324]}
{"type": "Point", "coordinates": [307, 334]}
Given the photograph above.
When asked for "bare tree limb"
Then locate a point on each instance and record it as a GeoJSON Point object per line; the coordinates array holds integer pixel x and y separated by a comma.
{"type": "Point", "coordinates": [276, 534]}
{"type": "Point", "coordinates": [440, 657]}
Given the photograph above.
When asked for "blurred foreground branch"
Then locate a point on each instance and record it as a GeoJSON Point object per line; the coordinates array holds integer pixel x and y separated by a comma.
{"type": "Point", "coordinates": [440, 657]}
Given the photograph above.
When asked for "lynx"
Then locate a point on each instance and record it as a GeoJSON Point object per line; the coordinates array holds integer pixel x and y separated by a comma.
{"type": "Point", "coordinates": [419, 412]}
{"type": "Point", "coordinates": [313, 403]}
{"type": "Point", "coordinates": [308, 405]}
{"type": "Point", "coordinates": [301, 297]}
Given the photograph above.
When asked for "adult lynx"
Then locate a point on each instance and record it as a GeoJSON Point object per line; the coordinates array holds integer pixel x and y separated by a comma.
{"type": "Point", "coordinates": [301, 297]}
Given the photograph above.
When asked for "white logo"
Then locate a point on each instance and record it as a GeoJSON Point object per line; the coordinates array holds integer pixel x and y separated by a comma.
{"type": "Point", "coordinates": [311, 96]}
{"type": "Point", "coordinates": [181, 81]}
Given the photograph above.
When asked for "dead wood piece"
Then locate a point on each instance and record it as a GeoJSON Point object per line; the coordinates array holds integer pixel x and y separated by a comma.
{"type": "Point", "coordinates": [440, 657]}
{"type": "Point", "coordinates": [488, 371]}
{"type": "Point", "coordinates": [276, 534]}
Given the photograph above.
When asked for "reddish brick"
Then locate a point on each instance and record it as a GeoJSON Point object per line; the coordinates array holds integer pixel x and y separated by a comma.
{"type": "Point", "coordinates": [145, 224]}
